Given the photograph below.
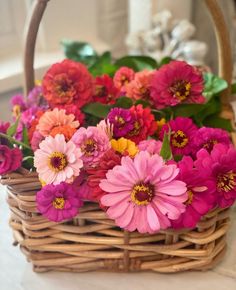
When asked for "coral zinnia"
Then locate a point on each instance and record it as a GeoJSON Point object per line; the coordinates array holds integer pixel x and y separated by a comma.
{"type": "Point", "coordinates": [139, 87]}
{"type": "Point", "coordinates": [143, 194]}
{"type": "Point", "coordinates": [201, 194]}
{"type": "Point", "coordinates": [58, 202]}
{"type": "Point", "coordinates": [175, 83]}
{"type": "Point", "coordinates": [220, 166]}
{"type": "Point", "coordinates": [108, 161]}
{"type": "Point", "coordinates": [74, 110]}
{"type": "Point", "coordinates": [122, 121]}
{"type": "Point", "coordinates": [92, 142]}
{"type": "Point", "coordinates": [208, 137]}
{"type": "Point", "coordinates": [105, 91]}
{"type": "Point", "coordinates": [65, 130]}
{"type": "Point", "coordinates": [182, 134]}
{"type": "Point", "coordinates": [144, 124]}
{"type": "Point", "coordinates": [122, 77]}
{"type": "Point", "coordinates": [56, 118]}
{"type": "Point", "coordinates": [67, 82]}
{"type": "Point", "coordinates": [57, 160]}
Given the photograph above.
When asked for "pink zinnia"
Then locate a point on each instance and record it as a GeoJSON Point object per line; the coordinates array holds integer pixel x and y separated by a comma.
{"type": "Point", "coordinates": [122, 77]}
{"type": "Point", "coordinates": [152, 146]}
{"type": "Point", "coordinates": [58, 202]}
{"type": "Point", "coordinates": [139, 87]}
{"type": "Point", "coordinates": [175, 83]}
{"type": "Point", "coordinates": [92, 142]}
{"type": "Point", "coordinates": [220, 166]}
{"type": "Point", "coordinates": [143, 194]}
{"type": "Point", "coordinates": [10, 159]}
{"type": "Point", "coordinates": [201, 194]}
{"type": "Point", "coordinates": [208, 137]}
{"type": "Point", "coordinates": [182, 134]}
{"type": "Point", "coordinates": [57, 160]}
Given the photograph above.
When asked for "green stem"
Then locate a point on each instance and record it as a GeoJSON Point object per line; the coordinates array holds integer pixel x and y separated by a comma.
{"type": "Point", "coordinates": [14, 141]}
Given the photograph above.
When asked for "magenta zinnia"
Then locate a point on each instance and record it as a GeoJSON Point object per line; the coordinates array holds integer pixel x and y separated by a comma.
{"type": "Point", "coordinates": [175, 83]}
{"type": "Point", "coordinates": [143, 194]}
{"type": "Point", "coordinates": [57, 160]}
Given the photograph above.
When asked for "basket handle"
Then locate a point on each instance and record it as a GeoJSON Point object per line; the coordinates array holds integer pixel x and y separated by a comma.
{"type": "Point", "coordinates": [221, 32]}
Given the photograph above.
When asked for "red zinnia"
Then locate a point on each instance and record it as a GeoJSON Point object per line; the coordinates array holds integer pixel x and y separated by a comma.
{"type": "Point", "coordinates": [67, 82]}
{"type": "Point", "coordinates": [175, 83]}
{"type": "Point", "coordinates": [144, 124]}
{"type": "Point", "coordinates": [105, 91]}
{"type": "Point", "coordinates": [108, 161]}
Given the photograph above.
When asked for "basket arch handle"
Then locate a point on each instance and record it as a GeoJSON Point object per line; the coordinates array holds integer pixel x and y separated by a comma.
{"type": "Point", "coordinates": [221, 32]}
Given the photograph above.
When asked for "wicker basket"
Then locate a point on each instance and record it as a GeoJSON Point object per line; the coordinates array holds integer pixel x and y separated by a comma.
{"type": "Point", "coordinates": [91, 241]}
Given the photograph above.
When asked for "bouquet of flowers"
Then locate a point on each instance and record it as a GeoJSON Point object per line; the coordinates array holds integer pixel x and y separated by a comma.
{"type": "Point", "coordinates": [144, 141]}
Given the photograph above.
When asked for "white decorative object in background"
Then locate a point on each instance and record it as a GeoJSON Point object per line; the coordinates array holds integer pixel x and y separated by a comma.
{"type": "Point", "coordinates": [165, 36]}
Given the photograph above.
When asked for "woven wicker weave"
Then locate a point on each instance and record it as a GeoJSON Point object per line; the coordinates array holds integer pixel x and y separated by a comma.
{"type": "Point", "coordinates": [93, 242]}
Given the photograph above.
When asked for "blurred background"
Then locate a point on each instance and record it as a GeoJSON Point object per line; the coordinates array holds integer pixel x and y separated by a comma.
{"type": "Point", "coordinates": [105, 24]}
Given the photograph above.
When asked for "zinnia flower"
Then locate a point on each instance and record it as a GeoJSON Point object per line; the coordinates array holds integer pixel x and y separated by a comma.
{"type": "Point", "coordinates": [34, 123]}
{"type": "Point", "coordinates": [124, 147]}
{"type": "Point", "coordinates": [108, 161]}
{"type": "Point", "coordinates": [208, 137]}
{"type": "Point", "coordinates": [65, 130]}
{"type": "Point", "coordinates": [182, 134]}
{"type": "Point", "coordinates": [58, 202]}
{"type": "Point", "coordinates": [220, 166]}
{"type": "Point", "coordinates": [122, 121]}
{"type": "Point", "coordinates": [175, 83]}
{"type": "Point", "coordinates": [67, 82]}
{"type": "Point", "coordinates": [152, 146]}
{"type": "Point", "coordinates": [106, 127]}
{"type": "Point", "coordinates": [56, 118]}
{"type": "Point", "coordinates": [139, 87]}
{"type": "Point", "coordinates": [3, 129]}
{"type": "Point", "coordinates": [73, 109]}
{"type": "Point", "coordinates": [10, 159]}
{"type": "Point", "coordinates": [122, 77]}
{"type": "Point", "coordinates": [144, 124]}
{"type": "Point", "coordinates": [201, 194]}
{"type": "Point", "coordinates": [57, 160]}
{"type": "Point", "coordinates": [105, 91]}
{"type": "Point", "coordinates": [143, 194]}
{"type": "Point", "coordinates": [92, 142]}
{"type": "Point", "coordinates": [18, 105]}
{"type": "Point", "coordinates": [36, 139]}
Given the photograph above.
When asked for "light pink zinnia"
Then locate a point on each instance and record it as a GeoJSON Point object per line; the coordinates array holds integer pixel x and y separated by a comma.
{"type": "Point", "coordinates": [152, 146]}
{"type": "Point", "coordinates": [175, 83]}
{"type": "Point", "coordinates": [143, 194]}
{"type": "Point", "coordinates": [139, 87]}
{"type": "Point", "coordinates": [56, 118]}
{"type": "Point", "coordinates": [92, 142]}
{"type": "Point", "coordinates": [57, 160]}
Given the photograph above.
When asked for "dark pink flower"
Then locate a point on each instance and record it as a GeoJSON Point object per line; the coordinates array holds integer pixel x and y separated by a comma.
{"type": "Point", "coordinates": [201, 194]}
{"type": "Point", "coordinates": [175, 83]}
{"type": "Point", "coordinates": [208, 137]}
{"type": "Point", "coordinates": [3, 129]}
{"type": "Point", "coordinates": [220, 165]}
{"type": "Point", "coordinates": [123, 77]}
{"type": "Point", "coordinates": [58, 202]}
{"type": "Point", "coordinates": [10, 159]}
{"type": "Point", "coordinates": [182, 134]}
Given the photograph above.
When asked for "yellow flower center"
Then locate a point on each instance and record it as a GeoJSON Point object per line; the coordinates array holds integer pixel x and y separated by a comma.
{"type": "Point", "coordinates": [142, 194]}
{"type": "Point", "coordinates": [190, 197]}
{"type": "Point", "coordinates": [226, 182]}
{"type": "Point", "coordinates": [16, 111]}
{"type": "Point", "coordinates": [57, 161]}
{"type": "Point", "coordinates": [179, 139]}
{"type": "Point", "coordinates": [58, 203]}
{"type": "Point", "coordinates": [89, 147]}
{"type": "Point", "coordinates": [181, 90]}
{"type": "Point", "coordinates": [120, 120]}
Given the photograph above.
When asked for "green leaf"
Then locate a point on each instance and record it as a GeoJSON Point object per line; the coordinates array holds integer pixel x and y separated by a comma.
{"type": "Point", "coordinates": [165, 60]}
{"type": "Point", "coordinates": [233, 89]}
{"type": "Point", "coordinates": [137, 63]}
{"type": "Point", "coordinates": [144, 103]}
{"type": "Point", "coordinates": [215, 121]}
{"type": "Point", "coordinates": [79, 51]}
{"type": "Point", "coordinates": [187, 110]}
{"type": "Point", "coordinates": [166, 149]}
{"type": "Point", "coordinates": [11, 131]}
{"type": "Point", "coordinates": [211, 108]}
{"type": "Point", "coordinates": [213, 85]}
{"type": "Point", "coordinates": [97, 109]}
{"type": "Point", "coordinates": [25, 136]}
{"type": "Point", "coordinates": [103, 65]}
{"type": "Point", "coordinates": [28, 162]}
{"type": "Point", "coordinates": [123, 102]}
